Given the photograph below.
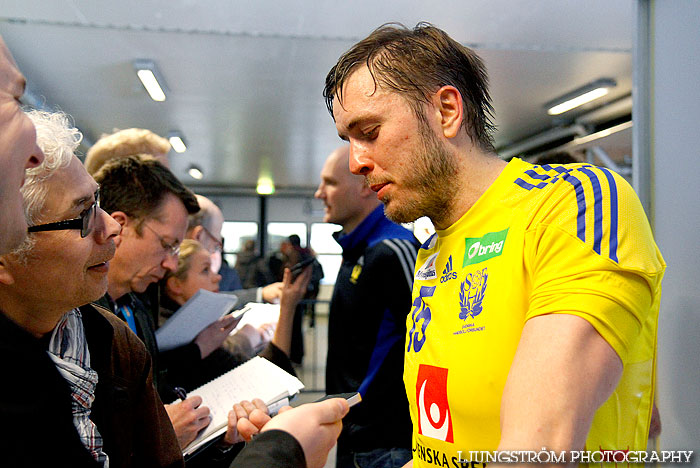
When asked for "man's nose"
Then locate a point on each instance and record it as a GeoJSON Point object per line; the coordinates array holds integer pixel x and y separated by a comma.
{"type": "Point", "coordinates": [360, 161]}
{"type": "Point", "coordinates": [170, 262]}
{"type": "Point", "coordinates": [319, 192]}
{"type": "Point", "coordinates": [106, 226]}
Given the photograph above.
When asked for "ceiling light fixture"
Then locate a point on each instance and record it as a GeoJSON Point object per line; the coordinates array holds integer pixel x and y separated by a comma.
{"type": "Point", "coordinates": [195, 172]}
{"type": "Point", "coordinates": [150, 77]}
{"type": "Point", "coordinates": [265, 186]}
{"type": "Point", "coordinates": [177, 141]}
{"type": "Point", "coordinates": [580, 96]}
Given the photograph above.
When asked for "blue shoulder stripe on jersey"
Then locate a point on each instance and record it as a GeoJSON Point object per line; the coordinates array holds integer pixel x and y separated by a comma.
{"type": "Point", "coordinates": [613, 213]}
{"type": "Point", "coordinates": [535, 175]}
{"type": "Point", "coordinates": [581, 202]}
{"type": "Point", "coordinates": [529, 186]}
{"type": "Point", "coordinates": [597, 208]}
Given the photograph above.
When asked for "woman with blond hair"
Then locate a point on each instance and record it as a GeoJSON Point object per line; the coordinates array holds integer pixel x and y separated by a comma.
{"type": "Point", "coordinates": [218, 354]}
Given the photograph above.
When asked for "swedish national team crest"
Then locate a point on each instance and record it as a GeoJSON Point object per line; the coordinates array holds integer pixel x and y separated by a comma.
{"type": "Point", "coordinates": [471, 298]}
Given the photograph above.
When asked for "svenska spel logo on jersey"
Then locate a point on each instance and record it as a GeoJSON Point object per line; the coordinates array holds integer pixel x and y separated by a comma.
{"type": "Point", "coordinates": [428, 271]}
{"type": "Point", "coordinates": [448, 273]}
{"type": "Point", "coordinates": [479, 249]}
{"type": "Point", "coordinates": [434, 417]}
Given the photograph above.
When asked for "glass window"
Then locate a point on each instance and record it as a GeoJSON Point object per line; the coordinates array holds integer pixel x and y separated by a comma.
{"type": "Point", "coordinates": [235, 233]}
{"type": "Point", "coordinates": [322, 238]}
{"type": "Point", "coordinates": [278, 232]}
{"type": "Point", "coordinates": [331, 265]}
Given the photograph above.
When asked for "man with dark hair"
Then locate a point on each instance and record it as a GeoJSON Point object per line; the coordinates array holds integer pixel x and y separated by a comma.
{"type": "Point", "coordinates": [152, 207]}
{"type": "Point", "coordinates": [99, 371]}
{"type": "Point", "coordinates": [535, 305]}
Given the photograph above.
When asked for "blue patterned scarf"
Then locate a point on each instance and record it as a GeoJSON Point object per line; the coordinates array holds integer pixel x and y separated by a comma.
{"type": "Point", "coordinates": [69, 351]}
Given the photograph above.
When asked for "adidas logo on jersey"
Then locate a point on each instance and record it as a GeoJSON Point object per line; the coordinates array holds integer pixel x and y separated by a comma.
{"type": "Point", "coordinates": [448, 273]}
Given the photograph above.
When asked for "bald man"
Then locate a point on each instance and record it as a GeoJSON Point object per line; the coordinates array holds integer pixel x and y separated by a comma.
{"type": "Point", "coordinates": [368, 311]}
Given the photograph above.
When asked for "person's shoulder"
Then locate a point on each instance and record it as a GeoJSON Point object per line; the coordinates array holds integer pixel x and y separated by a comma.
{"type": "Point", "coordinates": [579, 180]}
{"type": "Point", "coordinates": [123, 338]}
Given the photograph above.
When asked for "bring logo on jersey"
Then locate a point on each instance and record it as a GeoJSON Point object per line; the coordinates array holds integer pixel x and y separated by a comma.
{"type": "Point", "coordinates": [434, 419]}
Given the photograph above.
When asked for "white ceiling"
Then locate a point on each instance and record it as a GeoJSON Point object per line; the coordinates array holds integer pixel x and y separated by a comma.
{"type": "Point", "coordinates": [245, 78]}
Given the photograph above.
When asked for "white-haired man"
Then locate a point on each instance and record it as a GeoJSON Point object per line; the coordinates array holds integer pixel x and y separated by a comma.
{"type": "Point", "coordinates": [78, 361]}
{"type": "Point", "coordinates": [83, 377]}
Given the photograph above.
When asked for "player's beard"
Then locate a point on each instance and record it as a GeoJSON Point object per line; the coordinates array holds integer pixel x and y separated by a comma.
{"type": "Point", "coordinates": [429, 188]}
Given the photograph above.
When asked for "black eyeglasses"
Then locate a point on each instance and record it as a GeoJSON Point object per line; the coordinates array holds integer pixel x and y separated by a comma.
{"type": "Point", "coordinates": [171, 249]}
{"type": "Point", "coordinates": [84, 222]}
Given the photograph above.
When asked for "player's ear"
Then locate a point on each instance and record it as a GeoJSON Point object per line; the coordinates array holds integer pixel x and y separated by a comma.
{"type": "Point", "coordinates": [448, 104]}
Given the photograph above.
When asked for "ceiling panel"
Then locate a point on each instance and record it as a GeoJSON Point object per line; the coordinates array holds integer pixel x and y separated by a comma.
{"type": "Point", "coordinates": [245, 78]}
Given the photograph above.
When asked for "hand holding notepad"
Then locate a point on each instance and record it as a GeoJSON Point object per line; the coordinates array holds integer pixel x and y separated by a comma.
{"type": "Point", "coordinates": [256, 378]}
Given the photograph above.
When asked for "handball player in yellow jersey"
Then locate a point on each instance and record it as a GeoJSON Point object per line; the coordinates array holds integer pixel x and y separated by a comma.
{"type": "Point", "coordinates": [535, 305]}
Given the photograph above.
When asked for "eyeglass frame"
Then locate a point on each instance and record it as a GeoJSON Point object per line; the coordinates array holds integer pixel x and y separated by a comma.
{"type": "Point", "coordinates": [219, 247]}
{"type": "Point", "coordinates": [82, 222]}
{"type": "Point", "coordinates": [171, 248]}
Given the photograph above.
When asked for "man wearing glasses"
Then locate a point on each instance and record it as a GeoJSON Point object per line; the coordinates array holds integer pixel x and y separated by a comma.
{"type": "Point", "coordinates": [76, 361]}
{"type": "Point", "coordinates": [152, 207]}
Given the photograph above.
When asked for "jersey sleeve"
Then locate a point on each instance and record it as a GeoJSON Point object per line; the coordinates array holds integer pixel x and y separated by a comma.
{"type": "Point", "coordinates": [590, 252]}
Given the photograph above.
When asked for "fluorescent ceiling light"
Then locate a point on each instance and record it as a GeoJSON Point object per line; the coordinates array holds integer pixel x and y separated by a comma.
{"type": "Point", "coordinates": [177, 141]}
{"type": "Point", "coordinates": [195, 172]}
{"type": "Point", "coordinates": [265, 186]}
{"type": "Point", "coordinates": [581, 96]}
{"type": "Point", "coordinates": [149, 76]}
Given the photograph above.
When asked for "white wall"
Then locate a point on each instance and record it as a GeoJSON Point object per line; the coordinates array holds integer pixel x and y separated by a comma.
{"type": "Point", "coordinates": [675, 194]}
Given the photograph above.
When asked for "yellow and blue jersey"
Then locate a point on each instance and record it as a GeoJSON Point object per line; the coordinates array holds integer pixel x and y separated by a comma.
{"type": "Point", "coordinates": [569, 239]}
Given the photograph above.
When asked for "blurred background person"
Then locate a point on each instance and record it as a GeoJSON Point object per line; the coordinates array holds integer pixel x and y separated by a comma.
{"type": "Point", "coordinates": [194, 273]}
{"type": "Point", "coordinates": [251, 266]}
{"type": "Point", "coordinates": [124, 143]}
{"type": "Point", "coordinates": [367, 321]}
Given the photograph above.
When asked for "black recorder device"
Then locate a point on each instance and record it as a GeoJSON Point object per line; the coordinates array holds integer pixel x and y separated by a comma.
{"type": "Point", "coordinates": [299, 267]}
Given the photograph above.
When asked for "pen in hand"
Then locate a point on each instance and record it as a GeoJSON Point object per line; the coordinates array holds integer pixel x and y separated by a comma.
{"type": "Point", "coordinates": [181, 393]}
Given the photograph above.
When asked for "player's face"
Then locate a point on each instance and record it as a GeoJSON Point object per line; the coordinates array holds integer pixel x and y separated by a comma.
{"type": "Point", "coordinates": [18, 151]}
{"type": "Point", "coordinates": [399, 155]}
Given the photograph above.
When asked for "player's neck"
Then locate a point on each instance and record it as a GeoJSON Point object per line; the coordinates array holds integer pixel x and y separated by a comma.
{"type": "Point", "coordinates": [476, 172]}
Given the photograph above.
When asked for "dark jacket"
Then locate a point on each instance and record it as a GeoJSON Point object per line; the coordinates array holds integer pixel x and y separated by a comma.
{"type": "Point", "coordinates": [35, 406]}
{"type": "Point", "coordinates": [273, 448]}
{"type": "Point", "coordinates": [366, 332]}
{"type": "Point", "coordinates": [127, 410]}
